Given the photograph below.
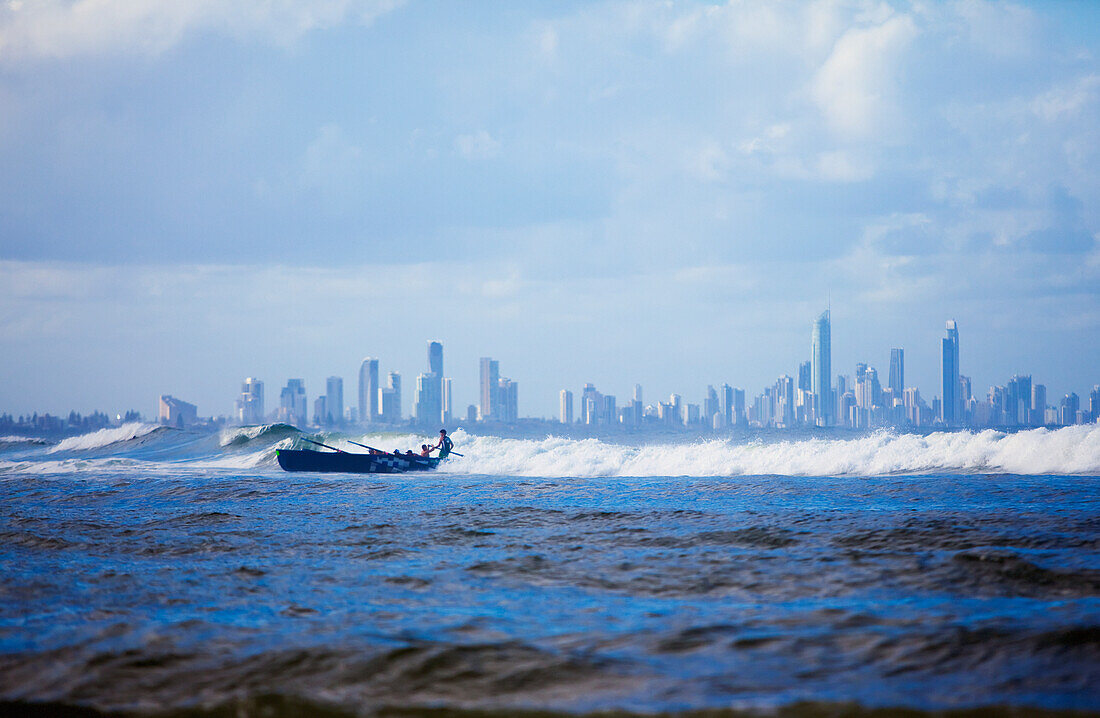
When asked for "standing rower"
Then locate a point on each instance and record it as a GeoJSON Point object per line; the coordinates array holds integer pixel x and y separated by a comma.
{"type": "Point", "coordinates": [445, 444]}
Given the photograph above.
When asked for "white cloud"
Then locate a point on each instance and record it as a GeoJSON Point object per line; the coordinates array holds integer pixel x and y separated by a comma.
{"type": "Point", "coordinates": [1068, 100]}
{"type": "Point", "coordinates": [478, 145]}
{"type": "Point", "coordinates": [73, 28]}
{"type": "Point", "coordinates": [709, 163]}
{"type": "Point", "coordinates": [856, 87]}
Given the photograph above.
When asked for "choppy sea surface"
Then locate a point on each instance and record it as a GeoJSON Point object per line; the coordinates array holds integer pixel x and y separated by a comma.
{"type": "Point", "coordinates": [154, 571]}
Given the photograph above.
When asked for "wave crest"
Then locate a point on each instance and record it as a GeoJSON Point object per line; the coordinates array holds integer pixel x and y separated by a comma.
{"type": "Point", "coordinates": [242, 435]}
{"type": "Point", "coordinates": [1068, 450]}
{"type": "Point", "coordinates": [15, 439]}
{"type": "Point", "coordinates": [105, 437]}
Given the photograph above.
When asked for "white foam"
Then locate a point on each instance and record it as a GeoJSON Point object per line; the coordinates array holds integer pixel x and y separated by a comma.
{"type": "Point", "coordinates": [104, 437]}
{"type": "Point", "coordinates": [1068, 450]}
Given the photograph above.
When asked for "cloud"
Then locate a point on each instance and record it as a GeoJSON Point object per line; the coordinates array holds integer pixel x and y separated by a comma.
{"type": "Point", "coordinates": [61, 29]}
{"type": "Point", "coordinates": [709, 163]}
{"type": "Point", "coordinates": [1066, 102]}
{"type": "Point", "coordinates": [857, 86]}
{"type": "Point", "coordinates": [478, 145]}
{"type": "Point", "coordinates": [904, 156]}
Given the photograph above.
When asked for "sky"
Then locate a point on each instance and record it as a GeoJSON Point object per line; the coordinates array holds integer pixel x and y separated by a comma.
{"type": "Point", "coordinates": [663, 193]}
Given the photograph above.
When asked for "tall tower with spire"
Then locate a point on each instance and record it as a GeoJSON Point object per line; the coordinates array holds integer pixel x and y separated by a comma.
{"type": "Point", "coordinates": [951, 406]}
{"type": "Point", "coordinates": [821, 374]}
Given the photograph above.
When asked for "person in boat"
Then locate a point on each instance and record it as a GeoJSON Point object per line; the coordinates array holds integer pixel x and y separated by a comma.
{"type": "Point", "coordinates": [424, 450]}
{"type": "Point", "coordinates": [445, 444]}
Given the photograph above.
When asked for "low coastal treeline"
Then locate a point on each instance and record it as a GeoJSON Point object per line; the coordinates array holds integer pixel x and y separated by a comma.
{"type": "Point", "coordinates": [49, 425]}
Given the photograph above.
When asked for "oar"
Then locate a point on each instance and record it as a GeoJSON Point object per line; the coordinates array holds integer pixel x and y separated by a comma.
{"type": "Point", "coordinates": [386, 453]}
{"type": "Point", "coordinates": [318, 443]}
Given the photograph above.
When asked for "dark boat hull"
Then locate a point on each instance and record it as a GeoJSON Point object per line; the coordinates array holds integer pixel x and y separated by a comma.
{"type": "Point", "coordinates": [347, 463]}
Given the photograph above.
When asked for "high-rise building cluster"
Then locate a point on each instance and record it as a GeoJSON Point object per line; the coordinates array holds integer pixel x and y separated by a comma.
{"type": "Point", "coordinates": [814, 396]}
{"type": "Point", "coordinates": [817, 397]}
{"type": "Point", "coordinates": [380, 404]}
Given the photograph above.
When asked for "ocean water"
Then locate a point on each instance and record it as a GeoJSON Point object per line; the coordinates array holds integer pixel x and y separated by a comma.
{"type": "Point", "coordinates": [155, 571]}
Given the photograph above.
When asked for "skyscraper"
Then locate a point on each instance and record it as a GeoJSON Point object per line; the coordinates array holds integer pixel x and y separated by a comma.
{"type": "Point", "coordinates": [292, 403]}
{"type": "Point", "coordinates": [711, 408]}
{"type": "Point", "coordinates": [334, 399]}
{"type": "Point", "coordinates": [490, 386]}
{"type": "Point", "coordinates": [390, 399]}
{"type": "Point", "coordinates": [608, 412]}
{"type": "Point", "coordinates": [368, 391]}
{"type": "Point", "coordinates": [447, 409]}
{"type": "Point", "coordinates": [1017, 400]}
{"type": "Point", "coordinates": [950, 405]}
{"type": "Point", "coordinates": [725, 405]}
{"type": "Point", "coordinates": [566, 408]}
{"type": "Point", "coordinates": [897, 371]}
{"type": "Point", "coordinates": [435, 359]}
{"type": "Point", "coordinates": [590, 403]}
{"type": "Point", "coordinates": [508, 393]}
{"type": "Point", "coordinates": [784, 400]}
{"type": "Point", "coordinates": [1038, 404]}
{"type": "Point", "coordinates": [1067, 413]}
{"type": "Point", "coordinates": [429, 399]}
{"type": "Point", "coordinates": [805, 370]}
{"type": "Point", "coordinates": [250, 404]}
{"type": "Point", "coordinates": [821, 357]}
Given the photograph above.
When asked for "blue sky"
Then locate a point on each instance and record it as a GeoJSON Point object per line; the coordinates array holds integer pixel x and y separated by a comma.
{"type": "Point", "coordinates": [663, 193]}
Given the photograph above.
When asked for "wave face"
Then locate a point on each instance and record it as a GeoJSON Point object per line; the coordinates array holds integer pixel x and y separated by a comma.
{"type": "Point", "coordinates": [105, 437]}
{"type": "Point", "coordinates": [1073, 450]}
{"type": "Point", "coordinates": [245, 435]}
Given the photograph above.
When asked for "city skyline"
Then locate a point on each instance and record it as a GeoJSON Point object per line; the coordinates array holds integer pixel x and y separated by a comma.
{"type": "Point", "coordinates": [813, 407]}
{"type": "Point", "coordinates": [440, 402]}
{"type": "Point", "coordinates": [861, 403]}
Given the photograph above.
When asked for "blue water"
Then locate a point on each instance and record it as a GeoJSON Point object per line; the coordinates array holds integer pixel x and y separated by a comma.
{"type": "Point", "coordinates": [172, 584]}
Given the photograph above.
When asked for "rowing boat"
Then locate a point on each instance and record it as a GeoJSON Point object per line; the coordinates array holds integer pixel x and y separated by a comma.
{"type": "Point", "coordinates": [348, 463]}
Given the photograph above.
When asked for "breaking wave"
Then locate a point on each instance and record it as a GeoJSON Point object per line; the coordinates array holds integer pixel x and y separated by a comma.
{"type": "Point", "coordinates": [243, 435]}
{"type": "Point", "coordinates": [106, 437]}
{"type": "Point", "coordinates": [17, 440]}
{"type": "Point", "coordinates": [1068, 450]}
